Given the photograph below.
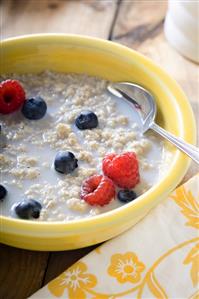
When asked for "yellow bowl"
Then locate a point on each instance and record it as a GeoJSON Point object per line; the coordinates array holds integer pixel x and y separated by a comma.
{"type": "Point", "coordinates": [69, 53]}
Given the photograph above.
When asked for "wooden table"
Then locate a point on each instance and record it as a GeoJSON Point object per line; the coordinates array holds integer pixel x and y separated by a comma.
{"type": "Point", "coordinates": [137, 24]}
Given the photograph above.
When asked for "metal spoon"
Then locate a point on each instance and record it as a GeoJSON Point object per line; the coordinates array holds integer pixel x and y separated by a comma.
{"type": "Point", "coordinates": [145, 105]}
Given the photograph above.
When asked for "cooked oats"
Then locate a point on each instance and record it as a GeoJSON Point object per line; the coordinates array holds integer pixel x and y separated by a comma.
{"type": "Point", "coordinates": [26, 162]}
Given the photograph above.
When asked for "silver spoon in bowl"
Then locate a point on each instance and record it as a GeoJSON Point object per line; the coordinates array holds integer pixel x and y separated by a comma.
{"type": "Point", "coordinates": [145, 105]}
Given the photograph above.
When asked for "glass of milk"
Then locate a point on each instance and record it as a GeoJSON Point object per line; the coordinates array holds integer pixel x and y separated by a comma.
{"type": "Point", "coordinates": [182, 27]}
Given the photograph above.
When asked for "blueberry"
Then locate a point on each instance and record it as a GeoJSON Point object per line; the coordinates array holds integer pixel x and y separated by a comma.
{"type": "Point", "coordinates": [65, 162]}
{"type": "Point", "coordinates": [126, 195]}
{"type": "Point", "coordinates": [28, 209]}
{"type": "Point", "coordinates": [86, 120]}
{"type": "Point", "coordinates": [34, 108]}
{"type": "Point", "coordinates": [3, 192]}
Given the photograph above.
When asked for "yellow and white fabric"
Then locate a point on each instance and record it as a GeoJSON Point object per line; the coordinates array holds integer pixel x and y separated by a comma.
{"type": "Point", "coordinates": [157, 258]}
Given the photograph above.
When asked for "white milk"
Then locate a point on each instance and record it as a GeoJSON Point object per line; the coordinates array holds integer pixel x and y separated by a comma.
{"type": "Point", "coordinates": [59, 193]}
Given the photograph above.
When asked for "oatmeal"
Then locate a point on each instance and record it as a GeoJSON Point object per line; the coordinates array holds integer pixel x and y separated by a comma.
{"type": "Point", "coordinates": [27, 156]}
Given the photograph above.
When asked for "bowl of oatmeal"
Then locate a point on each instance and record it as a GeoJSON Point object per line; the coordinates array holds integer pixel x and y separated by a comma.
{"type": "Point", "coordinates": [75, 168]}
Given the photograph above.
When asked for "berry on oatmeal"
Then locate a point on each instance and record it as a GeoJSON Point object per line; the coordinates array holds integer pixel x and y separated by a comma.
{"type": "Point", "coordinates": [3, 192]}
{"type": "Point", "coordinates": [12, 96]}
{"type": "Point", "coordinates": [28, 148]}
{"type": "Point", "coordinates": [126, 195]}
{"type": "Point", "coordinates": [65, 162]}
{"type": "Point", "coordinates": [97, 190]}
{"type": "Point", "coordinates": [86, 120]}
{"type": "Point", "coordinates": [34, 108]}
{"type": "Point", "coordinates": [122, 169]}
{"type": "Point", "coordinates": [28, 209]}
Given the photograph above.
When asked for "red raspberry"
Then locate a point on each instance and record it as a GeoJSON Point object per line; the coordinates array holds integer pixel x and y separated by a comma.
{"type": "Point", "coordinates": [12, 96]}
{"type": "Point", "coordinates": [122, 169]}
{"type": "Point", "coordinates": [97, 190]}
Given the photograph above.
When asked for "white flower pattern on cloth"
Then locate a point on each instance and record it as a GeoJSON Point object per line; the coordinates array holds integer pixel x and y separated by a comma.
{"type": "Point", "coordinates": [157, 258]}
{"type": "Point", "coordinates": [75, 280]}
{"type": "Point", "coordinates": [126, 267]}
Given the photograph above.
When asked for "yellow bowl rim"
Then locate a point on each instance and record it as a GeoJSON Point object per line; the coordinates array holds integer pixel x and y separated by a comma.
{"type": "Point", "coordinates": [168, 182]}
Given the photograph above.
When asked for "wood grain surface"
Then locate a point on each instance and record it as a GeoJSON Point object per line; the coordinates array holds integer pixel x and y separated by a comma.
{"type": "Point", "coordinates": [88, 17]}
{"type": "Point", "coordinates": [22, 272]}
{"type": "Point", "coordinates": [137, 24]}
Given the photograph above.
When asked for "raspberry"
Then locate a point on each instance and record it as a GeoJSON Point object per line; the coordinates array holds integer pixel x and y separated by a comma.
{"type": "Point", "coordinates": [12, 96]}
{"type": "Point", "coordinates": [122, 169]}
{"type": "Point", "coordinates": [97, 190]}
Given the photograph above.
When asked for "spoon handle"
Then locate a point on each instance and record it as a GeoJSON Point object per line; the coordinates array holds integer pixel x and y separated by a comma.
{"type": "Point", "coordinates": [190, 150]}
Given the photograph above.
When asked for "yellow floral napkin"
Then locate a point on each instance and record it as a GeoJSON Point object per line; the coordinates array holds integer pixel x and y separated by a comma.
{"type": "Point", "coordinates": [157, 258]}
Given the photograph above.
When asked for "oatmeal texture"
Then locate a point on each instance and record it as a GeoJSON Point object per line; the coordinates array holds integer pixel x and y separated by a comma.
{"type": "Point", "coordinates": [26, 161]}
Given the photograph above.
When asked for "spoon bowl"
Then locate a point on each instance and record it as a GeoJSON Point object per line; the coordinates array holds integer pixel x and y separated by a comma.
{"type": "Point", "coordinates": [144, 103]}
{"type": "Point", "coordinates": [141, 99]}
